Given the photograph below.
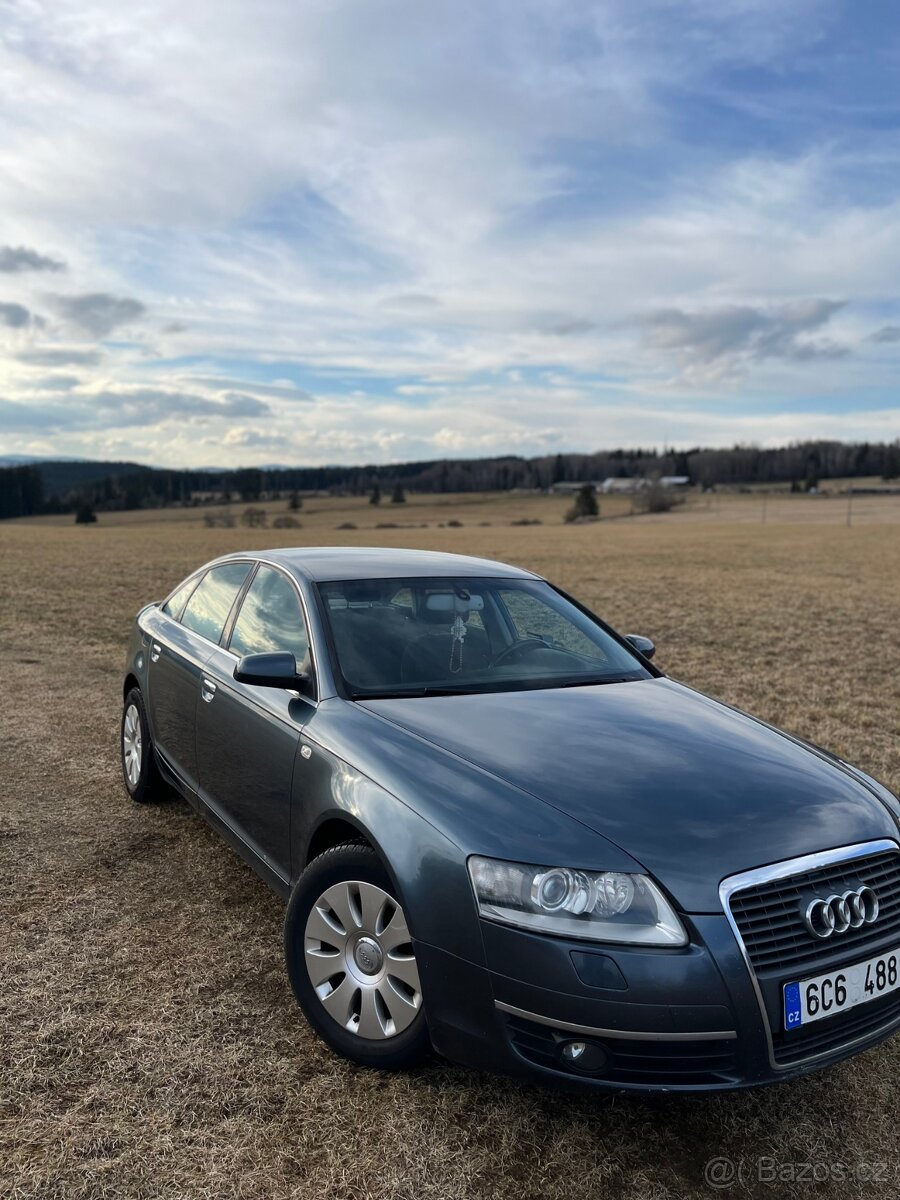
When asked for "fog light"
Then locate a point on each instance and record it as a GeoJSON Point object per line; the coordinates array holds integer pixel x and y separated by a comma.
{"type": "Point", "coordinates": [572, 1051]}
{"type": "Point", "coordinates": [585, 1057]}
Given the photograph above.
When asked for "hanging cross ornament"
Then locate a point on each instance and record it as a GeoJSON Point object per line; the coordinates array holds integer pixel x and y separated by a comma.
{"type": "Point", "coordinates": [457, 637]}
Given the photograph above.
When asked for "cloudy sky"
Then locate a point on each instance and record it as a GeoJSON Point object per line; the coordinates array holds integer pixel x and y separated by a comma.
{"type": "Point", "coordinates": [273, 231]}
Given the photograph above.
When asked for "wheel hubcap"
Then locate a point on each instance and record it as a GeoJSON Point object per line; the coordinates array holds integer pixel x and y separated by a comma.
{"type": "Point", "coordinates": [132, 747]}
{"type": "Point", "coordinates": [360, 960]}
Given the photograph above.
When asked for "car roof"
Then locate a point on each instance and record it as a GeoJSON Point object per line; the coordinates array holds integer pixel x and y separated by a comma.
{"type": "Point", "coordinates": [379, 562]}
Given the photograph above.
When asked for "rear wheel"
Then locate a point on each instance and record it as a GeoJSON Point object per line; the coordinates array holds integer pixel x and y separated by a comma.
{"type": "Point", "coordinates": [351, 961]}
{"type": "Point", "coordinates": [139, 770]}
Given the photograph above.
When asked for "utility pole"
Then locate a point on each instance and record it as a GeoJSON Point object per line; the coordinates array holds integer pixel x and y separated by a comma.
{"type": "Point", "coordinates": [849, 507]}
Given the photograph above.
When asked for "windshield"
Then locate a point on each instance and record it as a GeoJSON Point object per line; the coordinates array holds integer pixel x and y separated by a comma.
{"type": "Point", "coordinates": [434, 636]}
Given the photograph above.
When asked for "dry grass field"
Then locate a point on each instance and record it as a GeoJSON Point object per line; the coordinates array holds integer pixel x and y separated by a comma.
{"type": "Point", "coordinates": [149, 1043]}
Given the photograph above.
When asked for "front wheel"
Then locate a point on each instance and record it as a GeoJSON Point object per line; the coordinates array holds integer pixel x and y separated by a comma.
{"type": "Point", "coordinates": [351, 961]}
{"type": "Point", "coordinates": [139, 770]}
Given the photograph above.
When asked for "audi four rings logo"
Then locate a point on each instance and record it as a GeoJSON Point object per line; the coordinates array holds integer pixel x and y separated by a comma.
{"type": "Point", "coordinates": [837, 914]}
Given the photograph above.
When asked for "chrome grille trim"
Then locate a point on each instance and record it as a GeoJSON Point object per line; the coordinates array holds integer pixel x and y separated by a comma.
{"type": "Point", "coordinates": [774, 932]}
{"type": "Point", "coordinates": [784, 870]}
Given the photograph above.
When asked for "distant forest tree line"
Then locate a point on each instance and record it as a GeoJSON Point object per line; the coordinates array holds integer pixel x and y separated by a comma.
{"type": "Point", "coordinates": [64, 486]}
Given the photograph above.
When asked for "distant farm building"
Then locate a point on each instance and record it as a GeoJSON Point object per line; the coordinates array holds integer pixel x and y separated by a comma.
{"type": "Point", "coordinates": [623, 486]}
{"type": "Point", "coordinates": [675, 481]}
{"type": "Point", "coordinates": [569, 489]}
{"type": "Point", "coordinates": [215, 496]}
{"type": "Point", "coordinates": [613, 484]}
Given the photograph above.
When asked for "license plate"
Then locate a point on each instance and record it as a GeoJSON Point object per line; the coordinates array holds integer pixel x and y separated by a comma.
{"type": "Point", "coordinates": [826, 995]}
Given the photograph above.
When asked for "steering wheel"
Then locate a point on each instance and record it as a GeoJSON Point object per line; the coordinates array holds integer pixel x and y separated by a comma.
{"type": "Point", "coordinates": [520, 646]}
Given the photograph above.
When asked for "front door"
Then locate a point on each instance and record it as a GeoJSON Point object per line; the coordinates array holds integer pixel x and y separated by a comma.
{"type": "Point", "coordinates": [247, 736]}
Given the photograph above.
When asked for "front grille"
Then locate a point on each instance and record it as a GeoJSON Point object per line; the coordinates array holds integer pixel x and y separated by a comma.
{"type": "Point", "coordinates": [631, 1060]}
{"type": "Point", "coordinates": [769, 916]}
{"type": "Point", "coordinates": [824, 1036]}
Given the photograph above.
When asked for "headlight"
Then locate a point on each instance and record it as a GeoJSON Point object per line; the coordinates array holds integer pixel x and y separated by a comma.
{"type": "Point", "coordinates": [604, 906]}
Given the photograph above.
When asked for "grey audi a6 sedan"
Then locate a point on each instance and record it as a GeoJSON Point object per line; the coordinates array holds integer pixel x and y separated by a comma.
{"type": "Point", "coordinates": [505, 834]}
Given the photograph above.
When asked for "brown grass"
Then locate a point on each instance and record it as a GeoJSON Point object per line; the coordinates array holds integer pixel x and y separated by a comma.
{"type": "Point", "coordinates": [149, 1043]}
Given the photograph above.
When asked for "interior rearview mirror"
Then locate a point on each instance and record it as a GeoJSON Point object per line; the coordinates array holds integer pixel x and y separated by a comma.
{"type": "Point", "coordinates": [270, 670]}
{"type": "Point", "coordinates": [451, 602]}
{"type": "Point", "coordinates": [643, 645]}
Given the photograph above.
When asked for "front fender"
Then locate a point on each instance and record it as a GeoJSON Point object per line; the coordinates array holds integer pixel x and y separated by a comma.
{"type": "Point", "coordinates": [427, 869]}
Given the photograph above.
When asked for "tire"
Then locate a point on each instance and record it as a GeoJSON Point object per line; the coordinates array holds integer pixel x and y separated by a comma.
{"type": "Point", "coordinates": [344, 914]}
{"type": "Point", "coordinates": [140, 774]}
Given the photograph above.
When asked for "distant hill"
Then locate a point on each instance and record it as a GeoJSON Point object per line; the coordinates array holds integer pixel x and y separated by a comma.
{"type": "Point", "coordinates": [61, 476]}
{"type": "Point", "coordinates": [18, 460]}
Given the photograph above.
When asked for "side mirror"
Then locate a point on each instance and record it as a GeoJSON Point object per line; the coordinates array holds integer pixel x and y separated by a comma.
{"type": "Point", "coordinates": [270, 670]}
{"type": "Point", "coordinates": [641, 644]}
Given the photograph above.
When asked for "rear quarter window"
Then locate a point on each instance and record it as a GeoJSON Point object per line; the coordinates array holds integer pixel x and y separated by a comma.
{"type": "Point", "coordinates": [176, 602]}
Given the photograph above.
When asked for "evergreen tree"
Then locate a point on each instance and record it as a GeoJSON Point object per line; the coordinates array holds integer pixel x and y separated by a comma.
{"type": "Point", "coordinates": [585, 505]}
{"type": "Point", "coordinates": [84, 514]}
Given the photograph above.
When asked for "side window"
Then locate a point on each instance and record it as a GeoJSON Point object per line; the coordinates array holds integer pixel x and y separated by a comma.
{"type": "Point", "coordinates": [208, 608]}
{"type": "Point", "coordinates": [270, 619]}
{"type": "Point", "coordinates": [403, 599]}
{"type": "Point", "coordinates": [175, 603]}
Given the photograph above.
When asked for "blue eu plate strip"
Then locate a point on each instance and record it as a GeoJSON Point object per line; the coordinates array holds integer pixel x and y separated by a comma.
{"type": "Point", "coordinates": [793, 1013]}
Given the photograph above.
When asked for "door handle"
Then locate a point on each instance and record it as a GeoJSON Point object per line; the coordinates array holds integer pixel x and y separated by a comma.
{"type": "Point", "coordinates": [155, 651]}
{"type": "Point", "coordinates": [207, 689]}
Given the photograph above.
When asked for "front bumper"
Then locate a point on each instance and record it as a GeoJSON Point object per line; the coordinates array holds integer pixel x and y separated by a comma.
{"type": "Point", "coordinates": [686, 1019]}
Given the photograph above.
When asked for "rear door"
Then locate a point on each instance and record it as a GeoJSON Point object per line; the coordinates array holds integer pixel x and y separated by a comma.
{"type": "Point", "coordinates": [179, 649]}
{"type": "Point", "coordinates": [248, 736]}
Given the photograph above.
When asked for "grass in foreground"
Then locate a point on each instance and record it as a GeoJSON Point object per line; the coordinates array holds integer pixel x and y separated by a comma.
{"type": "Point", "coordinates": [150, 1044]}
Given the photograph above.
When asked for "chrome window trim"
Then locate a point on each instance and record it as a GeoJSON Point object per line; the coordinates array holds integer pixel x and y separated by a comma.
{"type": "Point", "coordinates": [194, 633]}
{"type": "Point", "coordinates": [784, 870]}
{"type": "Point", "coordinates": [636, 1035]}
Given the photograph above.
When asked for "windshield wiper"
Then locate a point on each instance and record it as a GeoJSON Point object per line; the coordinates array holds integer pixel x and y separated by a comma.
{"type": "Point", "coordinates": [592, 681]}
{"type": "Point", "coordinates": [413, 693]}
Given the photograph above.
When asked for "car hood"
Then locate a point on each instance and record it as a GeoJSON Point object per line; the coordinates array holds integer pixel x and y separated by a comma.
{"type": "Point", "coordinates": [692, 789]}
